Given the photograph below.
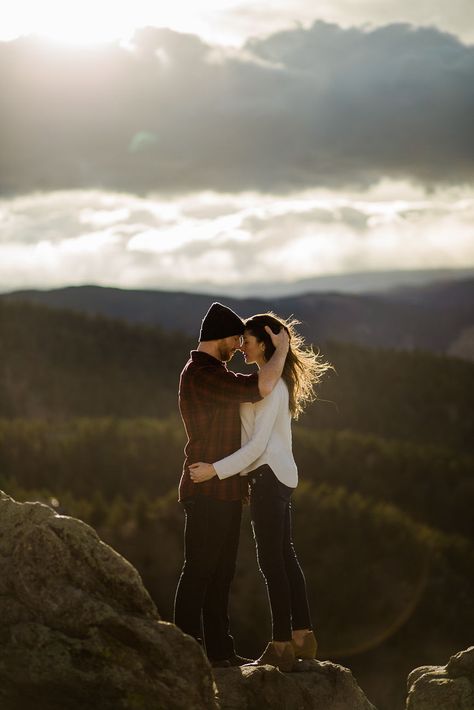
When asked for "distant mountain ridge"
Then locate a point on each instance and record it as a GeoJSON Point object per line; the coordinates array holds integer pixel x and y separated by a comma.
{"type": "Point", "coordinates": [353, 282]}
{"type": "Point", "coordinates": [436, 317]}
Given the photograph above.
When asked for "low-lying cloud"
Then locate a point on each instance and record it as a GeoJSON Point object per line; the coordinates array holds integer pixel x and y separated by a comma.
{"type": "Point", "coordinates": [211, 241]}
{"type": "Point", "coordinates": [318, 107]}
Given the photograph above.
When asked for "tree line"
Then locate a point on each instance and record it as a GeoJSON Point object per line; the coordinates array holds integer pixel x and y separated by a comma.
{"type": "Point", "coordinates": [113, 457]}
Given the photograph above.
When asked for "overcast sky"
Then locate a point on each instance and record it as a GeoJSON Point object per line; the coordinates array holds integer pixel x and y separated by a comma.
{"type": "Point", "coordinates": [243, 142]}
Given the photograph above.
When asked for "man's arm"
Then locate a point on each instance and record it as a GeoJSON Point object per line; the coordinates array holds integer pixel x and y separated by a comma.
{"type": "Point", "coordinates": [270, 373]}
{"type": "Point", "coordinates": [266, 412]}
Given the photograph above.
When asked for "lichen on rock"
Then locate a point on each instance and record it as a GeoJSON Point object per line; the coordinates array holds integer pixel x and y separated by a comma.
{"type": "Point", "coordinates": [314, 685]}
{"type": "Point", "coordinates": [449, 687]}
{"type": "Point", "coordinates": [79, 630]}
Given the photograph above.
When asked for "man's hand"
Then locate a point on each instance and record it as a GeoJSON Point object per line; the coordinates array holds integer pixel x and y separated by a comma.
{"type": "Point", "coordinates": [280, 340]}
{"type": "Point", "coordinates": [201, 472]}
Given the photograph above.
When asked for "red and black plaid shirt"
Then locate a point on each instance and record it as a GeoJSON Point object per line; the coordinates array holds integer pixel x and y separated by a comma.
{"type": "Point", "coordinates": [209, 399]}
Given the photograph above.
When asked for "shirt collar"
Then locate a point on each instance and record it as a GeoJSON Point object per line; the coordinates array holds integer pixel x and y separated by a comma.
{"type": "Point", "coordinates": [200, 356]}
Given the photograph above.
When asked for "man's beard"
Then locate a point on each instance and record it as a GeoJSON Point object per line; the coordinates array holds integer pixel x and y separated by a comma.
{"type": "Point", "coordinates": [226, 353]}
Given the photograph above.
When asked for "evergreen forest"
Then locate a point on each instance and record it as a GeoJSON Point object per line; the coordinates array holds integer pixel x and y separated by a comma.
{"type": "Point", "coordinates": [383, 514]}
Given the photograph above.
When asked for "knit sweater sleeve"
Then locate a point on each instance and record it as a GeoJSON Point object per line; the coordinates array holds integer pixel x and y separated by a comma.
{"type": "Point", "coordinates": [266, 412]}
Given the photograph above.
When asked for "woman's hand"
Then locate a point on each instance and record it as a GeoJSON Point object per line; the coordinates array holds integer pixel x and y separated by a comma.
{"type": "Point", "coordinates": [201, 472]}
{"type": "Point", "coordinates": [280, 340]}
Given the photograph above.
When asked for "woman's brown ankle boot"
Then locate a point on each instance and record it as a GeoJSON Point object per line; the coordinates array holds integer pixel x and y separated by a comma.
{"type": "Point", "coordinates": [308, 649]}
{"type": "Point", "coordinates": [284, 661]}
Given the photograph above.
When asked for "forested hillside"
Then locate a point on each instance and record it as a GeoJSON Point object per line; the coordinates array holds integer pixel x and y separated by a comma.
{"type": "Point", "coordinates": [383, 514]}
{"type": "Point", "coordinates": [59, 364]}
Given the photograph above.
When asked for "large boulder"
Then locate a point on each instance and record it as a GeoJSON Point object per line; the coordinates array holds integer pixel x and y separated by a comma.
{"type": "Point", "coordinates": [78, 629]}
{"type": "Point", "coordinates": [449, 687]}
{"type": "Point", "coordinates": [318, 686]}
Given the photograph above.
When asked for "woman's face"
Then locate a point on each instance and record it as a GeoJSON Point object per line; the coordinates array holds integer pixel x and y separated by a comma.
{"type": "Point", "coordinates": [252, 349]}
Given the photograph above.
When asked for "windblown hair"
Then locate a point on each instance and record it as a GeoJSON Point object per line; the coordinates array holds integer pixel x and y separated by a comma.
{"type": "Point", "coordinates": [303, 368]}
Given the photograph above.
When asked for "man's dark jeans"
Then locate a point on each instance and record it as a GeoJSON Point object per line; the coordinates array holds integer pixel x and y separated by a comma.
{"type": "Point", "coordinates": [270, 509]}
{"type": "Point", "coordinates": [211, 539]}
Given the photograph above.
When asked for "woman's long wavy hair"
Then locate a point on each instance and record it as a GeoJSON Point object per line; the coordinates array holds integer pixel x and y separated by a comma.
{"type": "Point", "coordinates": [303, 368]}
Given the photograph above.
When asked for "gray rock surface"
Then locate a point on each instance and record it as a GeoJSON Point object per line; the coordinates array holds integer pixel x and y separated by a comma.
{"type": "Point", "coordinates": [318, 686]}
{"type": "Point", "coordinates": [78, 629]}
{"type": "Point", "coordinates": [449, 687]}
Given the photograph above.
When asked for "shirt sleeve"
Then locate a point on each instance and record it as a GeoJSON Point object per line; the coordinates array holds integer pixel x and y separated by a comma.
{"type": "Point", "coordinates": [265, 417]}
{"type": "Point", "coordinates": [220, 385]}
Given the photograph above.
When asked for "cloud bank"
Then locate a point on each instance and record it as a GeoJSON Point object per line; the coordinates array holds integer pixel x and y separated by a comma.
{"type": "Point", "coordinates": [303, 108]}
{"type": "Point", "coordinates": [210, 241]}
{"type": "Point", "coordinates": [246, 18]}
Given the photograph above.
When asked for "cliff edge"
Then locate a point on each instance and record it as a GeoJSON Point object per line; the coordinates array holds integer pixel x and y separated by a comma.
{"type": "Point", "coordinates": [79, 631]}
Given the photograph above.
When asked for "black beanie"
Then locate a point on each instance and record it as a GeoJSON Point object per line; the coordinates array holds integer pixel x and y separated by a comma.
{"type": "Point", "coordinates": [220, 322]}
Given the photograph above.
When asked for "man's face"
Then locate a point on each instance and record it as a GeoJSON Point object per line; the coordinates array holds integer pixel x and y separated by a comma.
{"type": "Point", "coordinates": [228, 346]}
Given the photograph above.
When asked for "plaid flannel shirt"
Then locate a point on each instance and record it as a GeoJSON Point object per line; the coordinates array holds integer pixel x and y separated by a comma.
{"type": "Point", "coordinates": [209, 399]}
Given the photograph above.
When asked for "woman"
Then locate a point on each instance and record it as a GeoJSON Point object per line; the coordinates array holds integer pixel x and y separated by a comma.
{"type": "Point", "coordinates": [266, 457]}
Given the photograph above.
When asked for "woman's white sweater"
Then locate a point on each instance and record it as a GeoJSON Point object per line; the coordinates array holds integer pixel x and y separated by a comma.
{"type": "Point", "coordinates": [266, 439]}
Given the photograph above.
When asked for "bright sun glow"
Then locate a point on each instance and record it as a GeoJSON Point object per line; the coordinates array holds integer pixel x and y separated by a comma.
{"type": "Point", "coordinates": [97, 21]}
{"type": "Point", "coordinates": [228, 22]}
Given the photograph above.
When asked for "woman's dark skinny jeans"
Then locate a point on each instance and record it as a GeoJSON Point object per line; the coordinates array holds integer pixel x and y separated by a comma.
{"type": "Point", "coordinates": [270, 510]}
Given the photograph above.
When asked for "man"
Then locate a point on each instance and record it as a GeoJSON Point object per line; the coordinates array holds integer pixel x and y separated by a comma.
{"type": "Point", "coordinates": [209, 399]}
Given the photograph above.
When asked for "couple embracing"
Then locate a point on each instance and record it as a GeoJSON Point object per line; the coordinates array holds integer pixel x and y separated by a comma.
{"type": "Point", "coordinates": [239, 436]}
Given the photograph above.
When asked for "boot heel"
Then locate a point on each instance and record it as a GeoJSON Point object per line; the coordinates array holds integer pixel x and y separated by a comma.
{"type": "Point", "coordinates": [307, 651]}
{"type": "Point", "coordinates": [284, 661]}
{"type": "Point", "coordinates": [287, 661]}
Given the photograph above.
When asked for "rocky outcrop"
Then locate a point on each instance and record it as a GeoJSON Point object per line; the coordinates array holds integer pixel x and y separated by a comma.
{"type": "Point", "coordinates": [77, 628]}
{"type": "Point", "coordinates": [79, 631]}
{"type": "Point", "coordinates": [449, 687]}
{"type": "Point", "coordinates": [318, 686]}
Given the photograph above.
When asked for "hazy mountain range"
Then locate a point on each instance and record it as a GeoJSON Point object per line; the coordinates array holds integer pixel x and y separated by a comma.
{"type": "Point", "coordinates": [354, 282]}
{"type": "Point", "coordinates": [438, 316]}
